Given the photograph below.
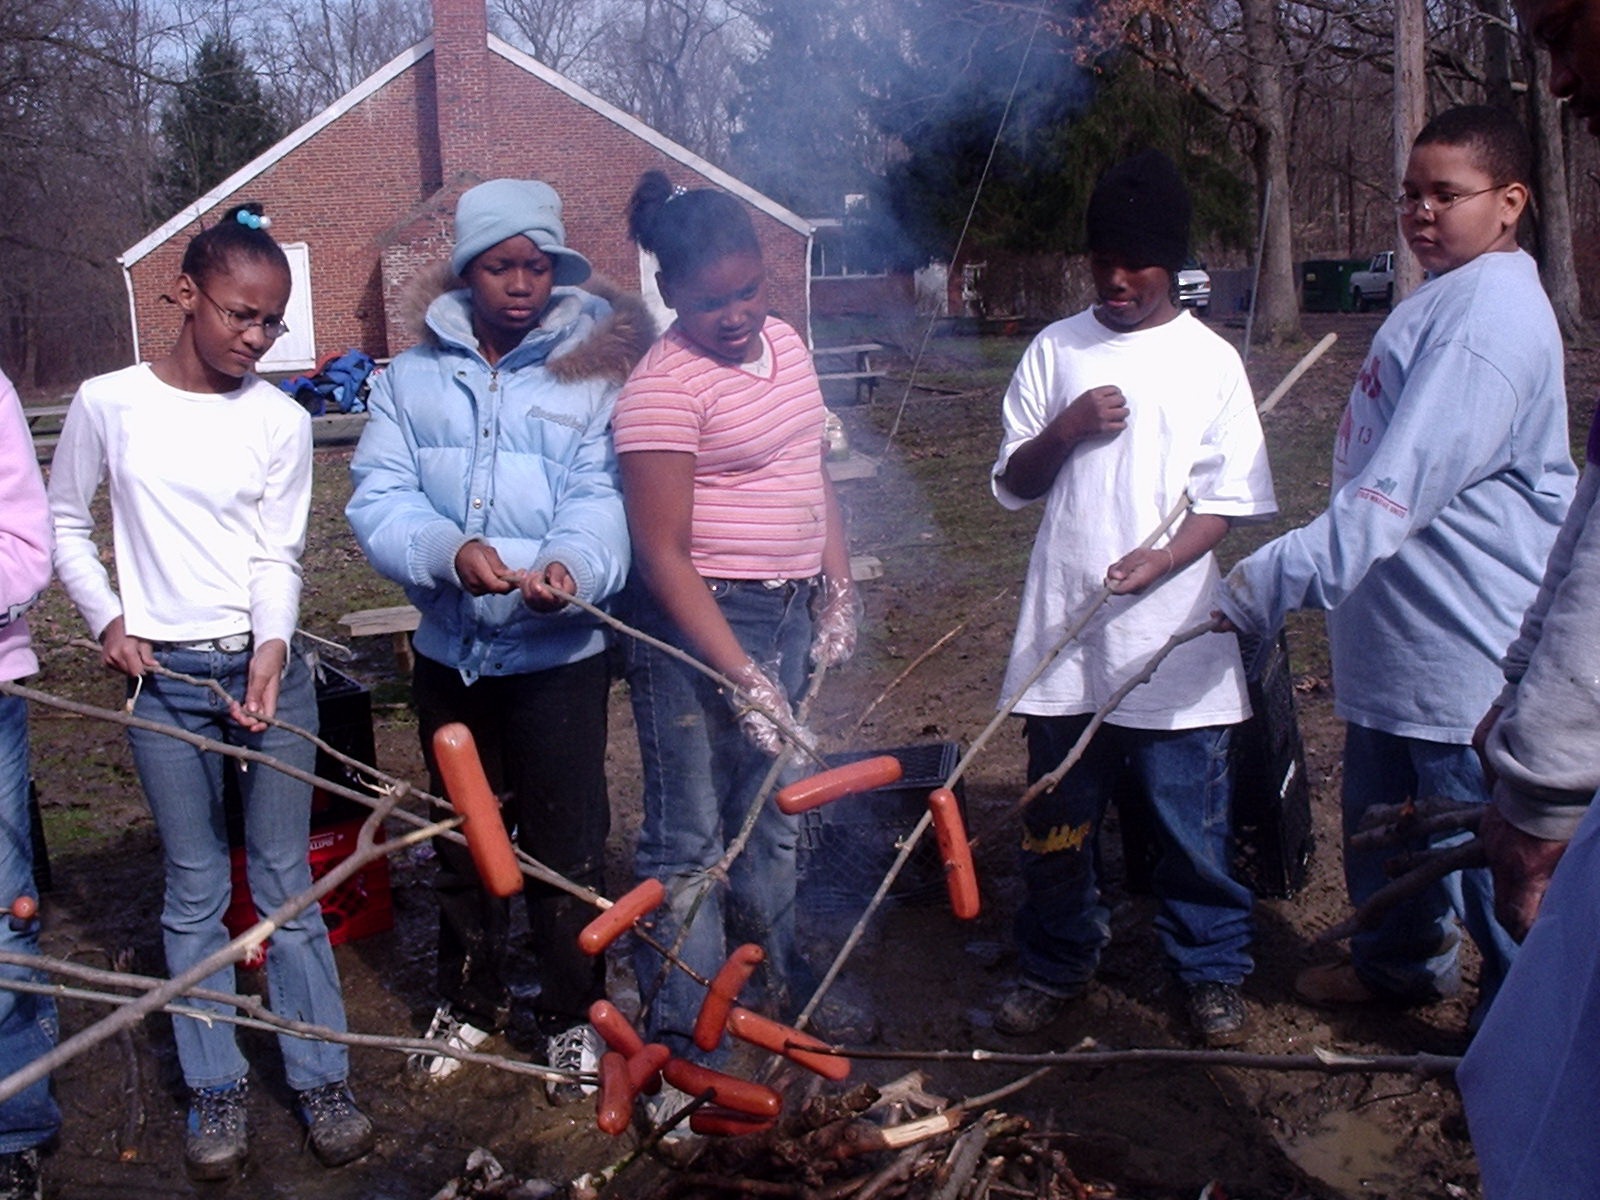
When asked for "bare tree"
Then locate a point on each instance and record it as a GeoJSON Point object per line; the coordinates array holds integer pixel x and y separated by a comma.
{"type": "Point", "coordinates": [78, 79]}
{"type": "Point", "coordinates": [314, 51]}
{"type": "Point", "coordinates": [672, 64]}
{"type": "Point", "coordinates": [1557, 266]}
{"type": "Point", "coordinates": [562, 34]}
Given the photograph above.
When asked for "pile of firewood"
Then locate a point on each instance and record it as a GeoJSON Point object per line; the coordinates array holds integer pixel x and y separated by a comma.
{"type": "Point", "coordinates": [891, 1141]}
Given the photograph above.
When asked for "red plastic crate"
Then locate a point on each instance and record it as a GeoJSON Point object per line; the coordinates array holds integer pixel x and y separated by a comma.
{"type": "Point", "coordinates": [360, 906]}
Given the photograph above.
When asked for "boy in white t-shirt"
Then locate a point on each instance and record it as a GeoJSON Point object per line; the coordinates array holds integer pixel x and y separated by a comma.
{"type": "Point", "coordinates": [1111, 416]}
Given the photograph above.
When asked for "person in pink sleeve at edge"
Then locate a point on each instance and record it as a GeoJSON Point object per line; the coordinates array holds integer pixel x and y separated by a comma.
{"type": "Point", "coordinates": [27, 1023]}
{"type": "Point", "coordinates": [740, 559]}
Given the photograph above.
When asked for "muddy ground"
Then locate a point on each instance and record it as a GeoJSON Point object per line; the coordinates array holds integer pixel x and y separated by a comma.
{"type": "Point", "coordinates": [950, 557]}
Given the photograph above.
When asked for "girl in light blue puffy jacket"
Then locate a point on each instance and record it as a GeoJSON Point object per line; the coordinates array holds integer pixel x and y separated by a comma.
{"type": "Point", "coordinates": [485, 475]}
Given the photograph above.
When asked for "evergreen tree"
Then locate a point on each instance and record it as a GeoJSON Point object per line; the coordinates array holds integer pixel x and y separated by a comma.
{"type": "Point", "coordinates": [803, 131]}
{"type": "Point", "coordinates": [1067, 124]}
{"type": "Point", "coordinates": [219, 120]}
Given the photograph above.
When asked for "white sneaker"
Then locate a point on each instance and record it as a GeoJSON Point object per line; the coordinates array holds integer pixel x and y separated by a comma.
{"type": "Point", "coordinates": [576, 1049]}
{"type": "Point", "coordinates": [450, 1030]}
{"type": "Point", "coordinates": [666, 1104]}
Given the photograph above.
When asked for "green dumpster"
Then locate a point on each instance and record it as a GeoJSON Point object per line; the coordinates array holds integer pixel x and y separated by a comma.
{"type": "Point", "coordinates": [1325, 283]}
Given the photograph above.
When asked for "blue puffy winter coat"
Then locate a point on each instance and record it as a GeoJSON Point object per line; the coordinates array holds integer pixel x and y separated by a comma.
{"type": "Point", "coordinates": [517, 455]}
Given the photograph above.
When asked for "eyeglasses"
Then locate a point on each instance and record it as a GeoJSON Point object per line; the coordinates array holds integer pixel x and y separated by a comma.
{"type": "Point", "coordinates": [1438, 202]}
{"type": "Point", "coordinates": [273, 327]}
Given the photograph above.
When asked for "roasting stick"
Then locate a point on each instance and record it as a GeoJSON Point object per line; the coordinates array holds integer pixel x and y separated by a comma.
{"type": "Point", "coordinates": [1293, 377]}
{"type": "Point", "coordinates": [719, 872]}
{"type": "Point", "coordinates": [1045, 782]}
{"type": "Point", "coordinates": [366, 851]}
{"type": "Point", "coordinates": [253, 1013]}
{"type": "Point", "coordinates": [910, 842]}
{"type": "Point", "coordinates": [794, 743]}
{"type": "Point", "coordinates": [1065, 640]}
{"type": "Point", "coordinates": [791, 735]}
{"type": "Point", "coordinates": [1090, 1055]}
{"type": "Point", "coordinates": [924, 657]}
{"type": "Point", "coordinates": [395, 790]}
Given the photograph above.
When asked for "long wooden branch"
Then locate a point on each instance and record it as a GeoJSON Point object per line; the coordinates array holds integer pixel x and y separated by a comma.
{"type": "Point", "coordinates": [791, 735]}
{"type": "Point", "coordinates": [366, 850]}
{"type": "Point", "coordinates": [531, 866]}
{"type": "Point", "coordinates": [1322, 1062]}
{"type": "Point", "coordinates": [1429, 870]}
{"type": "Point", "coordinates": [924, 657]}
{"type": "Point", "coordinates": [1413, 826]}
{"type": "Point", "coordinates": [252, 1014]}
{"type": "Point", "coordinates": [1055, 651]}
{"type": "Point", "coordinates": [909, 844]}
{"type": "Point", "coordinates": [1144, 675]}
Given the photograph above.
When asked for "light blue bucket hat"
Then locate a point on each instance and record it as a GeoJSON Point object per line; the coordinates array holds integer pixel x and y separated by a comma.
{"type": "Point", "coordinates": [488, 214]}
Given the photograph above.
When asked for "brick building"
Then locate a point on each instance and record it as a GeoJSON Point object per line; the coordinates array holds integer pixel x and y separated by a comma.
{"type": "Point", "coordinates": [362, 196]}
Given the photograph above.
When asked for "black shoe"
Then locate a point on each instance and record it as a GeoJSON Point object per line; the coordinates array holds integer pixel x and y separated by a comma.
{"type": "Point", "coordinates": [339, 1132]}
{"type": "Point", "coordinates": [216, 1140]}
{"type": "Point", "coordinates": [1218, 1014]}
{"type": "Point", "coordinates": [1027, 1009]}
{"type": "Point", "coordinates": [19, 1176]}
{"type": "Point", "coordinates": [841, 1022]}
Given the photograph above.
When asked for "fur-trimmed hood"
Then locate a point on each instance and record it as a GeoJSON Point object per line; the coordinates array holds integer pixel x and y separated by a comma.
{"type": "Point", "coordinates": [605, 348]}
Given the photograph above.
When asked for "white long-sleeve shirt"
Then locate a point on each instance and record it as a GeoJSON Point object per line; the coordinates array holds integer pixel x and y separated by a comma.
{"type": "Point", "coordinates": [209, 498]}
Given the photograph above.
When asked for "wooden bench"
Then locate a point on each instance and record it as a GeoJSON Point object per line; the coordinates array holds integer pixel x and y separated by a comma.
{"type": "Point", "coordinates": [44, 414]}
{"type": "Point", "coordinates": [399, 621]}
{"type": "Point", "coordinates": [854, 364]}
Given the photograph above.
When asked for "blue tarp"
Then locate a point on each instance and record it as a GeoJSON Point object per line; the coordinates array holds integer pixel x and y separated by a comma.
{"type": "Point", "coordinates": [340, 385]}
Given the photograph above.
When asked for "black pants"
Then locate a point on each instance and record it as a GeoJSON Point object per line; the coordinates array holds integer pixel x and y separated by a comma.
{"type": "Point", "coordinates": [542, 738]}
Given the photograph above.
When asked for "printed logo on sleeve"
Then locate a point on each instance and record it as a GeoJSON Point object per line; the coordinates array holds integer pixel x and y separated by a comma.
{"type": "Point", "coordinates": [1378, 492]}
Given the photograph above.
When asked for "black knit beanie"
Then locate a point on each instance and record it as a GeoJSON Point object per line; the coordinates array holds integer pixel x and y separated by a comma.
{"type": "Point", "coordinates": [1140, 212]}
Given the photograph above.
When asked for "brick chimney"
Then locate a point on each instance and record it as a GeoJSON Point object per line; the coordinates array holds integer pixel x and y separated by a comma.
{"type": "Point", "coordinates": [461, 75]}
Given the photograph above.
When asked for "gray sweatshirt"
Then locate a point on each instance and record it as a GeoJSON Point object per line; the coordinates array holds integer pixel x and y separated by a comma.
{"type": "Point", "coordinates": [1451, 476]}
{"type": "Point", "coordinates": [1546, 745]}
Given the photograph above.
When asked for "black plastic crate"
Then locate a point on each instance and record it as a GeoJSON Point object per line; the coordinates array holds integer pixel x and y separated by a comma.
{"type": "Point", "coordinates": [344, 720]}
{"type": "Point", "coordinates": [847, 847]}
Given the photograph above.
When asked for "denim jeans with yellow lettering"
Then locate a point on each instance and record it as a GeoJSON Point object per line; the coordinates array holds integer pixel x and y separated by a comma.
{"type": "Point", "coordinates": [1204, 917]}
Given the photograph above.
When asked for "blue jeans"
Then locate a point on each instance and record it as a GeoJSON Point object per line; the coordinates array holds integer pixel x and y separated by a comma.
{"type": "Point", "coordinates": [27, 1023]}
{"type": "Point", "coordinates": [1412, 953]}
{"type": "Point", "coordinates": [1204, 917]}
{"type": "Point", "coordinates": [183, 786]}
{"type": "Point", "coordinates": [700, 777]}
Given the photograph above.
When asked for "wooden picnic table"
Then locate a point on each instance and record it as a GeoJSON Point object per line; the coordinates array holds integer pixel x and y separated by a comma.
{"type": "Point", "coordinates": [856, 366]}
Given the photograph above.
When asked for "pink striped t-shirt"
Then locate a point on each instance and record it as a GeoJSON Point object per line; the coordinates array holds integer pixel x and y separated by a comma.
{"type": "Point", "coordinates": [757, 442]}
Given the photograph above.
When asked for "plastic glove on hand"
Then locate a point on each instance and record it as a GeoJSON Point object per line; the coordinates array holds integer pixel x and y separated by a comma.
{"type": "Point", "coordinates": [833, 638]}
{"type": "Point", "coordinates": [757, 692]}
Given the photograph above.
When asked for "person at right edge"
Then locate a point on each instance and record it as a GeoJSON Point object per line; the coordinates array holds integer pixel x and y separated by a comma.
{"type": "Point", "coordinates": [1451, 476]}
{"type": "Point", "coordinates": [1112, 416]}
{"type": "Point", "coordinates": [1530, 1081]}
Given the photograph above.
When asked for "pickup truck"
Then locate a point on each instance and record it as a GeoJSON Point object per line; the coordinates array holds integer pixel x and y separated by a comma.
{"type": "Point", "coordinates": [1375, 285]}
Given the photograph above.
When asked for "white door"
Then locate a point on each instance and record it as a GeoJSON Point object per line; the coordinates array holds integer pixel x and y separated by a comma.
{"type": "Point", "coordinates": [297, 349]}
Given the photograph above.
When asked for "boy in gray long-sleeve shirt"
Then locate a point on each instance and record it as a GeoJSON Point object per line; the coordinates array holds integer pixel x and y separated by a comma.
{"type": "Point", "coordinates": [1541, 739]}
{"type": "Point", "coordinates": [1451, 478]}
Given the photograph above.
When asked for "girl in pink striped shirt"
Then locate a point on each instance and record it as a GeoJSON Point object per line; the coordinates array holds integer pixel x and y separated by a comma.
{"type": "Point", "coordinates": [739, 558]}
